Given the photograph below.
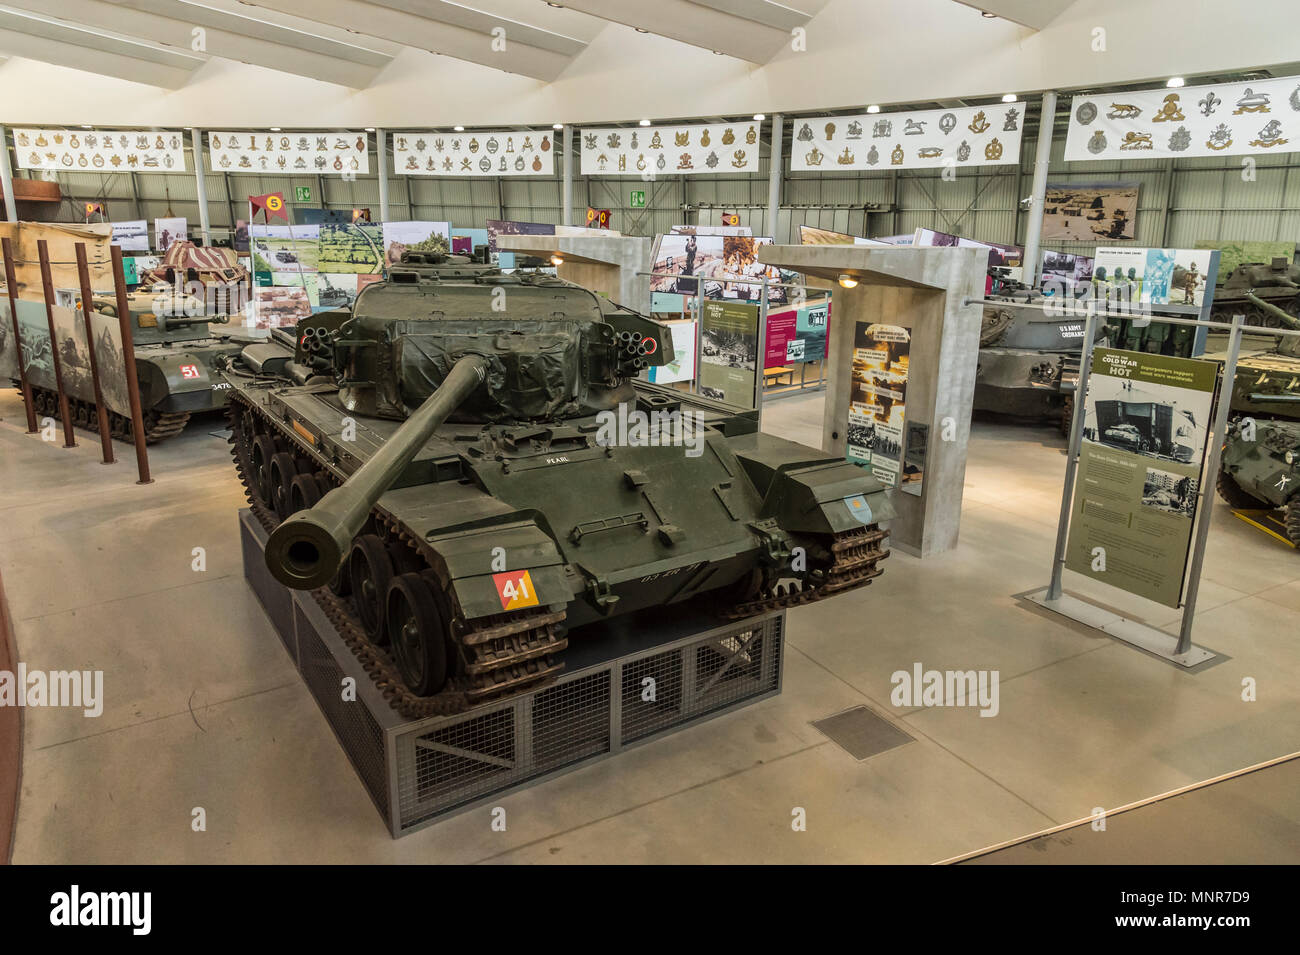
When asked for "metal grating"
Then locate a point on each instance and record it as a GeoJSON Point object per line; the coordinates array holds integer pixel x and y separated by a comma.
{"type": "Point", "coordinates": [418, 771]}
{"type": "Point", "coordinates": [353, 725]}
{"type": "Point", "coordinates": [861, 733]}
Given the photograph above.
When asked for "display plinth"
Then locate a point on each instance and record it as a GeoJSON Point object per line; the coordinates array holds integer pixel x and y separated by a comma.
{"type": "Point", "coordinates": [612, 265]}
{"type": "Point", "coordinates": [418, 771]}
{"type": "Point", "coordinates": [926, 291]}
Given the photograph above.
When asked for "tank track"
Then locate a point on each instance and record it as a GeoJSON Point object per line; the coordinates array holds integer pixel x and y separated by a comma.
{"type": "Point", "coordinates": [158, 425]}
{"type": "Point", "coordinates": [854, 558]}
{"type": "Point", "coordinates": [499, 655]}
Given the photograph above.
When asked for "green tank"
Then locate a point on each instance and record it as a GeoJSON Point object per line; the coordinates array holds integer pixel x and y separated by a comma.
{"type": "Point", "coordinates": [1261, 456]}
{"type": "Point", "coordinates": [466, 469]}
{"type": "Point", "coordinates": [176, 355]}
{"type": "Point", "coordinates": [1251, 287]}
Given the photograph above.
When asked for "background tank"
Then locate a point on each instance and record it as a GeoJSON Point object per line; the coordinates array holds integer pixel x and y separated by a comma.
{"type": "Point", "coordinates": [473, 464]}
{"type": "Point", "coordinates": [176, 354]}
{"type": "Point", "coordinates": [1029, 358]}
{"type": "Point", "coordinates": [1248, 285]}
{"type": "Point", "coordinates": [1263, 445]}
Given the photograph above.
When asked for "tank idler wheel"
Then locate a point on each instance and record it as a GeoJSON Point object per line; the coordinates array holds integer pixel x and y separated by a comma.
{"type": "Point", "coordinates": [417, 634]}
{"type": "Point", "coordinates": [304, 492]}
{"type": "Point", "coordinates": [370, 571]}
{"type": "Point", "coordinates": [282, 470]}
{"type": "Point", "coordinates": [260, 458]}
{"type": "Point", "coordinates": [1293, 521]}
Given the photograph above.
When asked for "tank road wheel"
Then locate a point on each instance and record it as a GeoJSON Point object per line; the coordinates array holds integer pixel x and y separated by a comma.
{"type": "Point", "coordinates": [417, 634]}
{"type": "Point", "coordinates": [304, 492]}
{"type": "Point", "coordinates": [262, 453]}
{"type": "Point", "coordinates": [282, 470]}
{"type": "Point", "coordinates": [1293, 521]}
{"type": "Point", "coordinates": [370, 571]}
{"type": "Point", "coordinates": [1242, 500]}
{"type": "Point", "coordinates": [1067, 416]}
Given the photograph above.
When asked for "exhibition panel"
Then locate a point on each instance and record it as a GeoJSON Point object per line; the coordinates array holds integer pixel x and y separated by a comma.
{"type": "Point", "coordinates": [711, 433]}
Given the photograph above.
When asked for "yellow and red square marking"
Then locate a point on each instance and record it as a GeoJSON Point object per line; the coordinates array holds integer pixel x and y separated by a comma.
{"type": "Point", "coordinates": [515, 588]}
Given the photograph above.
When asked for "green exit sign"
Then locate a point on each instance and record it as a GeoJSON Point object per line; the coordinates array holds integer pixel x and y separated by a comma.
{"type": "Point", "coordinates": [638, 198]}
{"type": "Point", "coordinates": [302, 193]}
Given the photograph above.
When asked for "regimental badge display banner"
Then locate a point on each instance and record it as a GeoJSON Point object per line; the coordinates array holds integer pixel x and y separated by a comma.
{"type": "Point", "coordinates": [131, 150]}
{"type": "Point", "coordinates": [491, 153]}
{"type": "Point", "coordinates": [971, 136]}
{"type": "Point", "coordinates": [329, 154]}
{"type": "Point", "coordinates": [1226, 119]}
{"type": "Point", "coordinates": [878, 399]}
{"type": "Point", "coordinates": [671, 150]}
{"type": "Point", "coordinates": [1144, 436]}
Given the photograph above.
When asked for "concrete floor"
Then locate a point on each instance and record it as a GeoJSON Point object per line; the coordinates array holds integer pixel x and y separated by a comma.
{"type": "Point", "coordinates": [205, 710]}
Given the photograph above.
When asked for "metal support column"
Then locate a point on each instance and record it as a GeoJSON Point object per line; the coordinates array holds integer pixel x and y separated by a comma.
{"type": "Point", "coordinates": [7, 178]}
{"type": "Point", "coordinates": [381, 158]}
{"type": "Point", "coordinates": [1042, 157]}
{"type": "Point", "coordinates": [201, 185]}
{"type": "Point", "coordinates": [566, 187]}
{"type": "Point", "coordinates": [775, 170]}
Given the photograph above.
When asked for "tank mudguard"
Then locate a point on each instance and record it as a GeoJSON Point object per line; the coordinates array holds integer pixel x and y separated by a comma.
{"type": "Point", "coordinates": [809, 493]}
{"type": "Point", "coordinates": [178, 379]}
{"type": "Point", "coordinates": [502, 568]}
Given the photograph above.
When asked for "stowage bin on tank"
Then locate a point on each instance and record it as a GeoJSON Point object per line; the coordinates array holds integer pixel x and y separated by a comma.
{"type": "Point", "coordinates": [469, 463]}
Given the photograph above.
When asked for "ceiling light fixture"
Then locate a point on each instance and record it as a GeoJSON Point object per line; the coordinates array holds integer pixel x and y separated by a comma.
{"type": "Point", "coordinates": [1175, 82]}
{"type": "Point", "coordinates": [459, 129]}
{"type": "Point", "coordinates": [718, 53]}
{"type": "Point", "coordinates": [557, 126]}
{"type": "Point", "coordinates": [275, 129]}
{"type": "Point", "coordinates": [759, 117]}
{"type": "Point", "coordinates": [1009, 98]}
{"type": "Point", "coordinates": [873, 109]}
{"type": "Point", "coordinates": [847, 281]}
{"type": "Point", "coordinates": [639, 30]}
{"type": "Point", "coordinates": [557, 259]}
{"type": "Point", "coordinates": [644, 122]}
{"type": "Point", "coordinates": [370, 129]}
{"type": "Point", "coordinates": [988, 16]}
{"type": "Point", "coordinates": [86, 126]}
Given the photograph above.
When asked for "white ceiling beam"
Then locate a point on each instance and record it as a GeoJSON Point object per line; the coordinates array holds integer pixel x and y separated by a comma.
{"type": "Point", "coordinates": [691, 23]}
{"type": "Point", "coordinates": [774, 15]}
{"type": "Point", "coordinates": [370, 19]}
{"type": "Point", "coordinates": [17, 44]}
{"type": "Point", "coordinates": [346, 66]}
{"type": "Point", "coordinates": [484, 23]}
{"type": "Point", "coordinates": [1034, 14]}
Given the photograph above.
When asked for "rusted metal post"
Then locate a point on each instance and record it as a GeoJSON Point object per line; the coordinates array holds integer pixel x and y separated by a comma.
{"type": "Point", "coordinates": [87, 307]}
{"type": "Point", "coordinates": [11, 286]}
{"type": "Point", "coordinates": [43, 253]}
{"type": "Point", "coordinates": [128, 353]}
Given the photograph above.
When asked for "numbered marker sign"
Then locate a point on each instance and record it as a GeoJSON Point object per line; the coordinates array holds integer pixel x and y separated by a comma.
{"type": "Point", "coordinates": [189, 371]}
{"type": "Point", "coordinates": [515, 588]}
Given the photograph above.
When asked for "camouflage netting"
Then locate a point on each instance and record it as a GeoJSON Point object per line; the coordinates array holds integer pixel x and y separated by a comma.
{"type": "Point", "coordinates": [535, 371]}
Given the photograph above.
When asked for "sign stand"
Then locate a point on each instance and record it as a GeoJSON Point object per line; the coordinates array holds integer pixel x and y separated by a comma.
{"type": "Point", "coordinates": [1179, 650]}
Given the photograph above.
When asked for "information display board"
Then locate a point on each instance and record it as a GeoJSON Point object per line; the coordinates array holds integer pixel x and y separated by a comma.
{"type": "Point", "coordinates": [878, 399]}
{"type": "Point", "coordinates": [525, 152]}
{"type": "Point", "coordinates": [1146, 424]}
{"type": "Point", "coordinates": [728, 351]}
{"type": "Point", "coordinates": [675, 150]}
{"type": "Point", "coordinates": [917, 139]}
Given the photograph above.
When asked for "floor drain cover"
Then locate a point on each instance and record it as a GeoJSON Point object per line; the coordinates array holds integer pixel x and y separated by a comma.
{"type": "Point", "coordinates": [861, 733]}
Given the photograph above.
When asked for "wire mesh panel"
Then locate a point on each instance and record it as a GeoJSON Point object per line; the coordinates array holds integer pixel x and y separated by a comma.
{"type": "Point", "coordinates": [418, 771]}
{"type": "Point", "coordinates": [355, 727]}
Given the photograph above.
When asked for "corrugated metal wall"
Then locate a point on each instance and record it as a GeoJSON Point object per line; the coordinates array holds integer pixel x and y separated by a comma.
{"type": "Point", "coordinates": [1180, 201]}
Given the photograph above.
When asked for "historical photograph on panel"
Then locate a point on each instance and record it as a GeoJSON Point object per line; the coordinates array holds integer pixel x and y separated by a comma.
{"type": "Point", "coordinates": [284, 248]}
{"type": "Point", "coordinates": [132, 236]}
{"type": "Point", "coordinates": [336, 290]}
{"type": "Point", "coordinates": [682, 256]}
{"type": "Point", "coordinates": [402, 237]}
{"type": "Point", "coordinates": [357, 247]}
{"type": "Point", "coordinates": [878, 399]}
{"type": "Point", "coordinates": [1155, 421]}
{"type": "Point", "coordinates": [1088, 211]}
{"type": "Point", "coordinates": [278, 306]}
{"type": "Point", "coordinates": [169, 231]}
{"type": "Point", "coordinates": [1170, 492]}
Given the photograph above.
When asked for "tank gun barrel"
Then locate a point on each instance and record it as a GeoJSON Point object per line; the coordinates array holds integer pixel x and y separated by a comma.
{"type": "Point", "coordinates": [306, 550]}
{"type": "Point", "coordinates": [185, 321]}
{"type": "Point", "coordinates": [1286, 318]}
{"type": "Point", "coordinates": [1276, 399]}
